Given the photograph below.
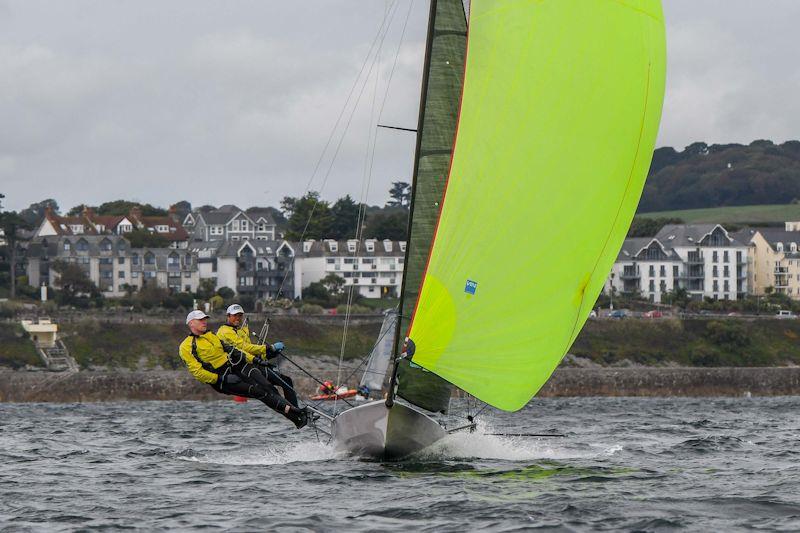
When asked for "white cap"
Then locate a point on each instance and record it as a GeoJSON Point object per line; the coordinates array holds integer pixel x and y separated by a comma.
{"type": "Point", "coordinates": [195, 315]}
{"type": "Point", "coordinates": [234, 309]}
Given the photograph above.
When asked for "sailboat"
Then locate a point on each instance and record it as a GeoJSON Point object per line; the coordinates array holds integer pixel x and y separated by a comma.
{"type": "Point", "coordinates": [536, 130]}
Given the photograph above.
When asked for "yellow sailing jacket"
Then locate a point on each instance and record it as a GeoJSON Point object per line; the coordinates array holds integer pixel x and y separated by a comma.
{"type": "Point", "coordinates": [208, 352]}
{"type": "Point", "coordinates": [240, 338]}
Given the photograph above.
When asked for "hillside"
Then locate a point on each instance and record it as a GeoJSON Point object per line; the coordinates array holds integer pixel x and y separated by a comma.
{"type": "Point", "coordinates": [703, 176]}
{"type": "Point", "coordinates": [747, 214]}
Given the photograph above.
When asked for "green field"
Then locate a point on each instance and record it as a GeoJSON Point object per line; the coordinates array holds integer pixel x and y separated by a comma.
{"type": "Point", "coordinates": [737, 214]}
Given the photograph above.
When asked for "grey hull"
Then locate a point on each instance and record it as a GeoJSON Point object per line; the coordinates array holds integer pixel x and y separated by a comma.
{"type": "Point", "coordinates": [373, 430]}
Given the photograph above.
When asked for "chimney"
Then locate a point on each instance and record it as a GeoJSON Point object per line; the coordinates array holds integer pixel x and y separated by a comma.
{"type": "Point", "coordinates": [173, 214]}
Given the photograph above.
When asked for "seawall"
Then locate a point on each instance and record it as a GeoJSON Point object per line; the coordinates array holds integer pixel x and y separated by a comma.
{"type": "Point", "coordinates": [566, 382]}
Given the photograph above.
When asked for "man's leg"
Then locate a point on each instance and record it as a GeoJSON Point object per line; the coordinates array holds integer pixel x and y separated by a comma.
{"type": "Point", "coordinates": [284, 382]}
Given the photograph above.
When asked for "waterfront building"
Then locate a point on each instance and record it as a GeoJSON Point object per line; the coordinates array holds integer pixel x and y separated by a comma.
{"type": "Point", "coordinates": [111, 264]}
{"type": "Point", "coordinates": [373, 267]}
{"type": "Point", "coordinates": [229, 223]}
{"type": "Point", "coordinates": [704, 259]}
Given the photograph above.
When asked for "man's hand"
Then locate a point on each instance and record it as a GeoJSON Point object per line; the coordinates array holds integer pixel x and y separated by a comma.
{"type": "Point", "coordinates": [275, 349]}
{"type": "Point", "coordinates": [259, 362]}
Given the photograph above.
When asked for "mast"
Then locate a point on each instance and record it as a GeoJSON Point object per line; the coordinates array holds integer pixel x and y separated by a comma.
{"type": "Point", "coordinates": [417, 151]}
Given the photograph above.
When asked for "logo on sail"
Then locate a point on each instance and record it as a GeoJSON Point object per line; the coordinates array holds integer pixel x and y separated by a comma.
{"type": "Point", "coordinates": [471, 287]}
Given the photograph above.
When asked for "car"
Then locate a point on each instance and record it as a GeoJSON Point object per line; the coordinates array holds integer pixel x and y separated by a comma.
{"type": "Point", "coordinates": [617, 313]}
{"type": "Point", "coordinates": [654, 314]}
{"type": "Point", "coordinates": [785, 313]}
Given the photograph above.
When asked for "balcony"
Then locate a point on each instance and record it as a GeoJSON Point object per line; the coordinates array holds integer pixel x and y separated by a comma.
{"type": "Point", "coordinates": [695, 259]}
{"type": "Point", "coordinates": [630, 274]}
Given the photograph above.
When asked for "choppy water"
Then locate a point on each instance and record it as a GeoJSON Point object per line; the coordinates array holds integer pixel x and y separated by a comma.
{"type": "Point", "coordinates": [626, 464]}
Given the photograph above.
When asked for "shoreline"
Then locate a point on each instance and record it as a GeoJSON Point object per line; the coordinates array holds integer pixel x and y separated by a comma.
{"type": "Point", "coordinates": [110, 386]}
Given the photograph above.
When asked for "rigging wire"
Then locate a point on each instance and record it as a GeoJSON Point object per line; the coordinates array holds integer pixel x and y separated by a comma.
{"type": "Point", "coordinates": [377, 40]}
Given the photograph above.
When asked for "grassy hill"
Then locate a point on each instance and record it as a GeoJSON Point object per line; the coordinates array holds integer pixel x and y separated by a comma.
{"type": "Point", "coordinates": [746, 214]}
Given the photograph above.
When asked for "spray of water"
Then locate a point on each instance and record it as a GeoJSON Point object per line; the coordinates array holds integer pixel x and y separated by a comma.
{"type": "Point", "coordinates": [302, 452]}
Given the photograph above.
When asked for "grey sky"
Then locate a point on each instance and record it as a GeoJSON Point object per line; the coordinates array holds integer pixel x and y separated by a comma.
{"type": "Point", "coordinates": [232, 102]}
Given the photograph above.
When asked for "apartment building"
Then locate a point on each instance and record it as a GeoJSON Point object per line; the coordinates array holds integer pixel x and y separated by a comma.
{"type": "Point", "coordinates": [704, 259]}
{"type": "Point", "coordinates": [373, 267]}
{"type": "Point", "coordinates": [774, 259]}
{"type": "Point", "coordinates": [111, 264]}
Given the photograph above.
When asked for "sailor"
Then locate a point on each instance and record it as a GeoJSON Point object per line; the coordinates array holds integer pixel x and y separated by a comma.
{"type": "Point", "coordinates": [231, 371]}
{"type": "Point", "coordinates": [236, 333]}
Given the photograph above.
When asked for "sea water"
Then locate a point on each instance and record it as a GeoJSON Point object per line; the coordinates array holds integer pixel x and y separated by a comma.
{"type": "Point", "coordinates": [625, 464]}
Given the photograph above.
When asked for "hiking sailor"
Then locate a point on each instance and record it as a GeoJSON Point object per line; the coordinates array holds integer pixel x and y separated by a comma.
{"type": "Point", "coordinates": [231, 371]}
{"type": "Point", "coordinates": [236, 333]}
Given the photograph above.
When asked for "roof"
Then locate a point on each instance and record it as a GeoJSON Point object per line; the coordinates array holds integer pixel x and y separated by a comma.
{"type": "Point", "coordinates": [323, 248]}
{"type": "Point", "coordinates": [673, 235]}
{"type": "Point", "coordinates": [632, 246]}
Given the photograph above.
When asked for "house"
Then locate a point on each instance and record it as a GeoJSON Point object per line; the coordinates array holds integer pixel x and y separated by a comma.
{"type": "Point", "coordinates": [704, 259]}
{"type": "Point", "coordinates": [229, 223]}
{"type": "Point", "coordinates": [89, 223]}
{"type": "Point", "coordinates": [111, 264]}
{"type": "Point", "coordinates": [373, 267]}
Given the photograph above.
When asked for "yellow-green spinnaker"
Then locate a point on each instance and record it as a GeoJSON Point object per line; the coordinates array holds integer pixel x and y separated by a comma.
{"type": "Point", "coordinates": [560, 111]}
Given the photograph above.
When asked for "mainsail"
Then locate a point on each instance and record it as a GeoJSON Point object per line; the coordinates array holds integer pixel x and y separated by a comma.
{"type": "Point", "coordinates": [558, 120]}
{"type": "Point", "coordinates": [381, 355]}
{"type": "Point", "coordinates": [441, 92]}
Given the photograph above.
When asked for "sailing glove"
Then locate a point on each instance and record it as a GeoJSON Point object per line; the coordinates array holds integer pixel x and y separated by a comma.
{"type": "Point", "coordinates": [275, 349]}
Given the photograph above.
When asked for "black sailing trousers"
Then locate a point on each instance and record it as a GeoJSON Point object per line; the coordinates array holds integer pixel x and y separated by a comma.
{"type": "Point", "coordinates": [240, 378]}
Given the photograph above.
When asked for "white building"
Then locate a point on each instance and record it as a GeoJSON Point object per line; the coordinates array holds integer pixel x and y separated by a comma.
{"type": "Point", "coordinates": [374, 267]}
{"type": "Point", "coordinates": [704, 259]}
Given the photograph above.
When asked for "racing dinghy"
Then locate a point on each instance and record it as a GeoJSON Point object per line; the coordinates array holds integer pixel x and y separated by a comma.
{"type": "Point", "coordinates": [532, 152]}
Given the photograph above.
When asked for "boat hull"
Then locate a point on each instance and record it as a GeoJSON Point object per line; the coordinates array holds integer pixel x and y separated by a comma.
{"type": "Point", "coordinates": [375, 431]}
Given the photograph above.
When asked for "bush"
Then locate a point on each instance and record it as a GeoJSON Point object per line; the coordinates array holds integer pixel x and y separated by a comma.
{"type": "Point", "coordinates": [355, 309]}
{"type": "Point", "coordinates": [311, 309]}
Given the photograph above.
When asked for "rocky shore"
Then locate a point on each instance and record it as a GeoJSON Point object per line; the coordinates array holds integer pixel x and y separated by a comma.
{"type": "Point", "coordinates": [19, 386]}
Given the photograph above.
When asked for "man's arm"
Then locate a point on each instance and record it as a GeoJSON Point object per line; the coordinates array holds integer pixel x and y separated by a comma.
{"type": "Point", "coordinates": [195, 368]}
{"type": "Point", "coordinates": [228, 335]}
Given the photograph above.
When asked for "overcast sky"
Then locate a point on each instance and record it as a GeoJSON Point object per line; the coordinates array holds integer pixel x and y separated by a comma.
{"type": "Point", "coordinates": [233, 102]}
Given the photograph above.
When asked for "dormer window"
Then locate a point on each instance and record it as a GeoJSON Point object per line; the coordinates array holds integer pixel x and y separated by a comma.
{"type": "Point", "coordinates": [82, 246]}
{"type": "Point", "coordinates": [261, 227]}
{"type": "Point", "coordinates": [162, 228]}
{"type": "Point", "coordinates": [105, 245]}
{"type": "Point", "coordinates": [402, 246]}
{"type": "Point", "coordinates": [779, 247]}
{"type": "Point", "coordinates": [792, 247]}
{"type": "Point", "coordinates": [387, 245]}
{"type": "Point", "coordinates": [77, 229]}
{"type": "Point", "coordinates": [333, 246]}
{"type": "Point", "coordinates": [351, 246]}
{"type": "Point", "coordinates": [370, 246]}
{"type": "Point", "coordinates": [149, 259]}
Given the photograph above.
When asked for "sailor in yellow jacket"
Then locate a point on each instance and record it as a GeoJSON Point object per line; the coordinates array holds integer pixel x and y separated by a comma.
{"type": "Point", "coordinates": [231, 371]}
{"type": "Point", "coordinates": [236, 333]}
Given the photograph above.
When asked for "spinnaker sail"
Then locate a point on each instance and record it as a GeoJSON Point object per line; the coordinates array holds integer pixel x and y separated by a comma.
{"type": "Point", "coordinates": [558, 121]}
{"type": "Point", "coordinates": [441, 92]}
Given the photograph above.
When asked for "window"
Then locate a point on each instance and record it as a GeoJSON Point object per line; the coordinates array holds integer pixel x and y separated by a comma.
{"type": "Point", "coordinates": [150, 274]}
{"type": "Point", "coordinates": [187, 274]}
{"type": "Point", "coordinates": [725, 256]}
{"type": "Point", "coordinates": [121, 274]}
{"type": "Point", "coordinates": [173, 260]}
{"type": "Point", "coordinates": [149, 259]}
{"type": "Point", "coordinates": [370, 246]}
{"type": "Point", "coordinates": [216, 230]}
{"type": "Point", "coordinates": [402, 246]}
{"type": "Point", "coordinates": [715, 271]}
{"type": "Point", "coordinates": [162, 229]}
{"type": "Point", "coordinates": [351, 246]}
{"type": "Point", "coordinates": [121, 260]}
{"type": "Point", "coordinates": [663, 271]}
{"type": "Point", "coordinates": [738, 257]}
{"type": "Point", "coordinates": [135, 259]}
{"type": "Point", "coordinates": [106, 274]}
{"type": "Point", "coordinates": [134, 274]}
{"type": "Point", "coordinates": [235, 238]}
{"type": "Point", "coordinates": [652, 285]}
{"type": "Point", "coordinates": [85, 260]}
{"type": "Point", "coordinates": [726, 286]}
{"type": "Point", "coordinates": [245, 226]}
{"type": "Point", "coordinates": [76, 228]}
{"type": "Point", "coordinates": [330, 260]}
{"type": "Point", "coordinates": [105, 245]}
{"type": "Point", "coordinates": [652, 271]}
{"type": "Point", "coordinates": [674, 271]}
{"type": "Point", "coordinates": [333, 246]}
{"type": "Point", "coordinates": [67, 246]}
{"type": "Point", "coordinates": [716, 285]}
{"type": "Point", "coordinates": [82, 246]}
{"type": "Point", "coordinates": [726, 272]}
{"type": "Point", "coordinates": [106, 261]}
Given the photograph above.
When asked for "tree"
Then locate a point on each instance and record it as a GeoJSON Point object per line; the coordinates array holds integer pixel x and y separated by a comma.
{"type": "Point", "coordinates": [399, 194]}
{"type": "Point", "coordinates": [317, 293]}
{"type": "Point", "coordinates": [78, 209]}
{"type": "Point", "coordinates": [181, 209]}
{"type": "Point", "coordinates": [226, 293]}
{"type": "Point", "coordinates": [206, 289]}
{"type": "Point", "coordinates": [309, 217]}
{"type": "Point", "coordinates": [333, 283]}
{"type": "Point", "coordinates": [73, 281]}
{"type": "Point", "coordinates": [13, 226]}
{"type": "Point", "coordinates": [34, 213]}
{"type": "Point", "coordinates": [142, 238]}
{"type": "Point", "coordinates": [345, 218]}
{"type": "Point", "coordinates": [392, 226]}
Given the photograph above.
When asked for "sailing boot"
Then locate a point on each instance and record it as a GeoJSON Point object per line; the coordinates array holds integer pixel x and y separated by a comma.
{"type": "Point", "coordinates": [298, 416]}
